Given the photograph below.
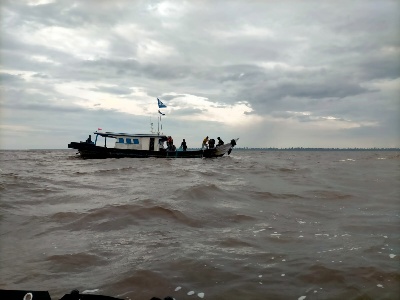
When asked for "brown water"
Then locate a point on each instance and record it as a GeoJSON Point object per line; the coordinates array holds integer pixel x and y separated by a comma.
{"type": "Point", "coordinates": [252, 225]}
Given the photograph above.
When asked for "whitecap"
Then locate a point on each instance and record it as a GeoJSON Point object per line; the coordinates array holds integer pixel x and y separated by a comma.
{"type": "Point", "coordinates": [177, 288]}
{"type": "Point", "coordinates": [392, 255]}
{"type": "Point", "coordinates": [190, 293]}
{"type": "Point", "coordinates": [380, 285]}
{"type": "Point", "coordinates": [200, 295]}
{"type": "Point", "coordinates": [90, 291]}
{"type": "Point", "coordinates": [302, 297]}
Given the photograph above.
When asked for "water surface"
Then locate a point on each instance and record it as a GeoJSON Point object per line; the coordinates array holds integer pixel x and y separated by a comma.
{"type": "Point", "coordinates": [252, 225]}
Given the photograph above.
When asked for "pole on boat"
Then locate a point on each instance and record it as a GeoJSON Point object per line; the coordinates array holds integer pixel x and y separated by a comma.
{"type": "Point", "coordinates": [151, 126]}
{"type": "Point", "coordinates": [160, 105]}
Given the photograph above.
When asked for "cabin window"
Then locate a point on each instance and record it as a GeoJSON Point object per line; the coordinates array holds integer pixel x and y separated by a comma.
{"type": "Point", "coordinates": [128, 141]}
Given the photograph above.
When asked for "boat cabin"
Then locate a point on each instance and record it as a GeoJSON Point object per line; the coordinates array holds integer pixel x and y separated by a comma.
{"type": "Point", "coordinates": [149, 142]}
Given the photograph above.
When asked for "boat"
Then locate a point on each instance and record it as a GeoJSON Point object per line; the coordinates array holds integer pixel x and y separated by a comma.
{"type": "Point", "coordinates": [142, 145]}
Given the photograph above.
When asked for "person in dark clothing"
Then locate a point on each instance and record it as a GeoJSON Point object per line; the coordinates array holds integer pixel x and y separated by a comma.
{"type": "Point", "coordinates": [183, 145]}
{"type": "Point", "coordinates": [220, 142]}
{"type": "Point", "coordinates": [211, 143]}
{"type": "Point", "coordinates": [89, 140]}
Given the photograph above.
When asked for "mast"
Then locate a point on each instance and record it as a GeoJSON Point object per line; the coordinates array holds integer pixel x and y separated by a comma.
{"type": "Point", "coordinates": [159, 124]}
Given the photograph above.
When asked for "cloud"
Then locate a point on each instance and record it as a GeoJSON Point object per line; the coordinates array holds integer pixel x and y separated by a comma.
{"type": "Point", "coordinates": [6, 78]}
{"type": "Point", "coordinates": [113, 89]}
{"type": "Point", "coordinates": [229, 66]}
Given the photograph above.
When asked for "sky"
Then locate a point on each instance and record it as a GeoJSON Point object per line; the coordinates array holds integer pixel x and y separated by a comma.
{"type": "Point", "coordinates": [271, 73]}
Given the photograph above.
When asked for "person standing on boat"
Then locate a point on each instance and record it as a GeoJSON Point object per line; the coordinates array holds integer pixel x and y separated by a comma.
{"type": "Point", "coordinates": [89, 140]}
{"type": "Point", "coordinates": [211, 144]}
{"type": "Point", "coordinates": [220, 142]}
{"type": "Point", "coordinates": [170, 143]}
{"type": "Point", "coordinates": [205, 141]}
{"type": "Point", "coordinates": [183, 145]}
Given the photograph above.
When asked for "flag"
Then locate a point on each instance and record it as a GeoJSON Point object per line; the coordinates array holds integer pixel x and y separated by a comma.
{"type": "Point", "coordinates": [161, 113]}
{"type": "Point", "coordinates": [160, 104]}
{"type": "Point", "coordinates": [99, 129]}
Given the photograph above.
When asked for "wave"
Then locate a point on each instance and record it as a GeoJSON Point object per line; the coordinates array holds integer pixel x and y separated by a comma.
{"type": "Point", "coordinates": [207, 191]}
{"type": "Point", "coordinates": [234, 243]}
{"type": "Point", "coordinates": [116, 217]}
{"type": "Point", "coordinates": [330, 195]}
{"type": "Point", "coordinates": [142, 284]}
{"type": "Point", "coordinates": [74, 262]}
{"type": "Point", "coordinates": [269, 195]}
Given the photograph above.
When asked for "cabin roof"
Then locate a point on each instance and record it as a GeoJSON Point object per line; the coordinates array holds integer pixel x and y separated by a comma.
{"type": "Point", "coordinates": [119, 134]}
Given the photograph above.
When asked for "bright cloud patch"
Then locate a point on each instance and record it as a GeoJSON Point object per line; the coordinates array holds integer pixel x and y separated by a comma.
{"type": "Point", "coordinates": [150, 50]}
{"type": "Point", "coordinates": [206, 110]}
{"type": "Point", "coordinates": [319, 122]}
{"type": "Point", "coordinates": [138, 102]}
{"type": "Point", "coordinates": [39, 2]}
{"type": "Point", "coordinates": [91, 97]}
{"type": "Point", "coordinates": [44, 59]}
{"type": "Point", "coordinates": [74, 41]}
{"type": "Point", "coordinates": [245, 31]}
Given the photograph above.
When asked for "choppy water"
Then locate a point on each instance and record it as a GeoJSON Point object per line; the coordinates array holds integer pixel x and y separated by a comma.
{"type": "Point", "coordinates": [253, 225]}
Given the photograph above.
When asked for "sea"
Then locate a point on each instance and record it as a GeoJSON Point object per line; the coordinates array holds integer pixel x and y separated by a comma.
{"type": "Point", "coordinates": [251, 225]}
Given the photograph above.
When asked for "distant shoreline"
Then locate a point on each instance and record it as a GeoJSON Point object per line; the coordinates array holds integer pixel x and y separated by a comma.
{"type": "Point", "coordinates": [309, 149]}
{"type": "Point", "coordinates": [254, 149]}
{"type": "Point", "coordinates": [315, 149]}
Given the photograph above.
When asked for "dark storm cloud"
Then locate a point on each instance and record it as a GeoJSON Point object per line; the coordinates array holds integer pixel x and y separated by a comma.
{"type": "Point", "coordinates": [19, 99]}
{"type": "Point", "coordinates": [311, 90]}
{"type": "Point", "coordinates": [6, 78]}
{"type": "Point", "coordinates": [381, 67]}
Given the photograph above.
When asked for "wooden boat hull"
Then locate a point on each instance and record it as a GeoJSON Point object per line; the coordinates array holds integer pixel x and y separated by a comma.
{"type": "Point", "coordinates": [91, 151]}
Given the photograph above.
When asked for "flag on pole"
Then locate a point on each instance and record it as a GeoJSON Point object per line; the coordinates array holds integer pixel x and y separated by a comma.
{"type": "Point", "coordinates": [160, 104]}
{"type": "Point", "coordinates": [161, 113]}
